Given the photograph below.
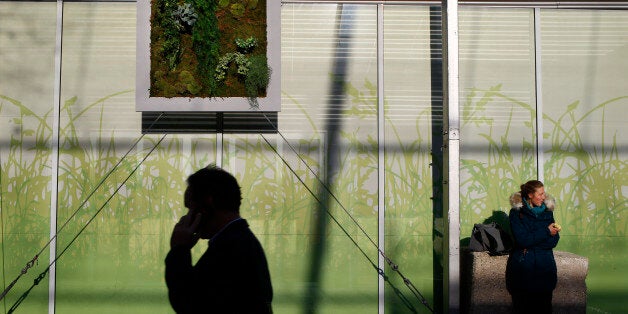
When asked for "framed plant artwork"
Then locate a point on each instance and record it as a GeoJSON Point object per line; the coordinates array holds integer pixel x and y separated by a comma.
{"type": "Point", "coordinates": [209, 56]}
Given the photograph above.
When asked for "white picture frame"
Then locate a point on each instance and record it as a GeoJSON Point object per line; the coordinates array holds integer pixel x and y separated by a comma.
{"type": "Point", "coordinates": [145, 103]}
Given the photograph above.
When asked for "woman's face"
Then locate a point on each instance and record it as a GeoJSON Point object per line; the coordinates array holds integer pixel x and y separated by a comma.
{"type": "Point", "coordinates": [537, 197]}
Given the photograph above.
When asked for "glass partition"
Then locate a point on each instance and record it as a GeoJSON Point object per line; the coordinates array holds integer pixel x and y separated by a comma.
{"type": "Point", "coordinates": [323, 46]}
{"type": "Point", "coordinates": [585, 96]}
{"type": "Point", "coordinates": [498, 111]}
{"type": "Point", "coordinates": [120, 192]}
{"type": "Point", "coordinates": [27, 74]}
{"type": "Point", "coordinates": [408, 109]}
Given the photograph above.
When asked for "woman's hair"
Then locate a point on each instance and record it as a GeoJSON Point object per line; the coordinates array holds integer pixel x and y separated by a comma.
{"type": "Point", "coordinates": [530, 187]}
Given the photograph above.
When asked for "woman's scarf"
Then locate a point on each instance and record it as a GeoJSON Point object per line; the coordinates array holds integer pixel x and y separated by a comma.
{"type": "Point", "coordinates": [536, 210]}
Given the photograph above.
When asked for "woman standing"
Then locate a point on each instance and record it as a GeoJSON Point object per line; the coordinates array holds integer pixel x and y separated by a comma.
{"type": "Point", "coordinates": [531, 270]}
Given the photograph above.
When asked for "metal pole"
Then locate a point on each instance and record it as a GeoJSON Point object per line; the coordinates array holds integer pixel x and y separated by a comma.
{"type": "Point", "coordinates": [539, 95]}
{"type": "Point", "coordinates": [451, 155]}
{"type": "Point", "coordinates": [381, 173]}
{"type": "Point", "coordinates": [54, 176]}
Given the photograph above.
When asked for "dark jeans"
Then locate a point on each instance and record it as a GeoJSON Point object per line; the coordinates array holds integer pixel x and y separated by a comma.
{"type": "Point", "coordinates": [532, 302]}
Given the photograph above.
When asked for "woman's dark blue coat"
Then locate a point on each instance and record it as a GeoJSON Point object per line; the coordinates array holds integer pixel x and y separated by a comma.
{"type": "Point", "coordinates": [531, 266]}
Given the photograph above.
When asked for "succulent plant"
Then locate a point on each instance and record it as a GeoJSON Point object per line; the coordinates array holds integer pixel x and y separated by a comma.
{"type": "Point", "coordinates": [246, 45]}
{"type": "Point", "coordinates": [237, 9]}
{"type": "Point", "coordinates": [242, 62]}
{"type": "Point", "coordinates": [185, 16]}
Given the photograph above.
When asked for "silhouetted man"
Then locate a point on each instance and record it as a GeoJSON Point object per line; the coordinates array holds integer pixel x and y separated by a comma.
{"type": "Point", "coordinates": [232, 275]}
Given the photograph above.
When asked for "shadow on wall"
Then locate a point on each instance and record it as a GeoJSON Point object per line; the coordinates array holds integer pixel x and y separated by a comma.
{"type": "Point", "coordinates": [467, 270]}
{"type": "Point", "coordinates": [499, 217]}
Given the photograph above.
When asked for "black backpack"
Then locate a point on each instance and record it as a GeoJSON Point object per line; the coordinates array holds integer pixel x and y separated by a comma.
{"type": "Point", "coordinates": [490, 237]}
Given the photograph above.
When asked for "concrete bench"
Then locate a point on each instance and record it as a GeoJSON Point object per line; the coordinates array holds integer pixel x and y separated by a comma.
{"type": "Point", "coordinates": [483, 283]}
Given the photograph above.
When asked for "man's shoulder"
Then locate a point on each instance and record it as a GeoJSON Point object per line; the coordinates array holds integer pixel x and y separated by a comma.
{"type": "Point", "coordinates": [238, 236]}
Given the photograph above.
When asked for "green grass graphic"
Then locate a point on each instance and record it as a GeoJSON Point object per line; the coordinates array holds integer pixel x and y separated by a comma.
{"type": "Point", "coordinates": [123, 248]}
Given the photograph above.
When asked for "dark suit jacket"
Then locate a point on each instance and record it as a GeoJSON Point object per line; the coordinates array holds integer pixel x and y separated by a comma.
{"type": "Point", "coordinates": [231, 277]}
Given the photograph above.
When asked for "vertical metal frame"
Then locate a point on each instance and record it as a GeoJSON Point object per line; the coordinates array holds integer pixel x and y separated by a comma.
{"type": "Point", "coordinates": [54, 176]}
{"type": "Point", "coordinates": [538, 92]}
{"type": "Point", "coordinates": [220, 138]}
{"type": "Point", "coordinates": [451, 157]}
{"type": "Point", "coordinates": [381, 155]}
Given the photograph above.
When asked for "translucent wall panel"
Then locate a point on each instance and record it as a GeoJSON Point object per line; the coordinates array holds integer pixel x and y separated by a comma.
{"type": "Point", "coordinates": [408, 115]}
{"type": "Point", "coordinates": [108, 267]}
{"type": "Point", "coordinates": [314, 58]}
{"type": "Point", "coordinates": [116, 209]}
{"type": "Point", "coordinates": [27, 49]}
{"type": "Point", "coordinates": [497, 101]}
{"type": "Point", "coordinates": [585, 96]}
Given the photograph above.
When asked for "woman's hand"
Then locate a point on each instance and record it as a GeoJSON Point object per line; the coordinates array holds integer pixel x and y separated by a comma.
{"type": "Point", "coordinates": [554, 228]}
